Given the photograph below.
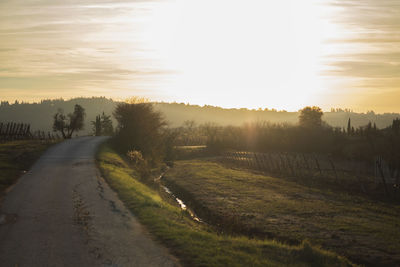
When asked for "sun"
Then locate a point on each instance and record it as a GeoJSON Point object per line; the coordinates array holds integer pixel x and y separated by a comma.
{"type": "Point", "coordinates": [242, 53]}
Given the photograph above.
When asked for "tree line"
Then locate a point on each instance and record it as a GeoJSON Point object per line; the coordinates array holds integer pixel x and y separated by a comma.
{"type": "Point", "coordinates": [143, 133]}
{"type": "Point", "coordinates": [39, 115]}
{"type": "Point", "coordinates": [310, 135]}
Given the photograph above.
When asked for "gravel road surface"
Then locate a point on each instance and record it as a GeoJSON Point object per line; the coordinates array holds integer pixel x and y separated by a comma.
{"type": "Point", "coordinates": [62, 213]}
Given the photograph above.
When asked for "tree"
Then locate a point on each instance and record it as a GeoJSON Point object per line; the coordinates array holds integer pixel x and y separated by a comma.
{"type": "Point", "coordinates": [349, 127]}
{"type": "Point", "coordinates": [396, 126]}
{"type": "Point", "coordinates": [140, 128]}
{"type": "Point", "coordinates": [97, 126]}
{"type": "Point", "coordinates": [106, 125]}
{"type": "Point", "coordinates": [68, 124]}
{"type": "Point", "coordinates": [102, 125]}
{"type": "Point", "coordinates": [310, 117]}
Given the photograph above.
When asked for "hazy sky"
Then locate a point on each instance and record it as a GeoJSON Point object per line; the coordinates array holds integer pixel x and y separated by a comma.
{"type": "Point", "coordinates": [239, 53]}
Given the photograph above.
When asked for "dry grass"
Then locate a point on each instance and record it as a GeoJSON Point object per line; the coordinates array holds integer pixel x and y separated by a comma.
{"type": "Point", "coordinates": [198, 244]}
{"type": "Point", "coordinates": [243, 202]}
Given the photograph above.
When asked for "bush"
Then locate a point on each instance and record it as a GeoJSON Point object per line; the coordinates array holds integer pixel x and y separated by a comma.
{"type": "Point", "coordinates": [139, 163]}
{"type": "Point", "coordinates": [142, 129]}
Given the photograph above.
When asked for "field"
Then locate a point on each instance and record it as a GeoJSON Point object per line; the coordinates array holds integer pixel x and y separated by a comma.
{"type": "Point", "coordinates": [16, 157]}
{"type": "Point", "coordinates": [374, 179]}
{"type": "Point", "coordinates": [198, 244]}
{"type": "Point", "coordinates": [244, 202]}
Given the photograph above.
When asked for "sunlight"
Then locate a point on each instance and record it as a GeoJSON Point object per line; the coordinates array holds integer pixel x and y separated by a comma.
{"type": "Point", "coordinates": [277, 54]}
{"type": "Point", "coordinates": [271, 51]}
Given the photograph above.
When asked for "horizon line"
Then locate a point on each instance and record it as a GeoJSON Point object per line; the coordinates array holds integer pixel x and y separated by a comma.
{"type": "Point", "coordinates": [331, 110]}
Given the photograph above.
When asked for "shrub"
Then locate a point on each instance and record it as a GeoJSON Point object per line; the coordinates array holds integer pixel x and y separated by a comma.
{"type": "Point", "coordinates": [142, 129]}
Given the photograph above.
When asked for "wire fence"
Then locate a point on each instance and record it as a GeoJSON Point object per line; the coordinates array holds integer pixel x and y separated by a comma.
{"type": "Point", "coordinates": [366, 177]}
{"type": "Point", "coordinates": [11, 131]}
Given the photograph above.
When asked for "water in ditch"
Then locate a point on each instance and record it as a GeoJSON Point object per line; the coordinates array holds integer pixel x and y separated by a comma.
{"type": "Point", "coordinates": [178, 200]}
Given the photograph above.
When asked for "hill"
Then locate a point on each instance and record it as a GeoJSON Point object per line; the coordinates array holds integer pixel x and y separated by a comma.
{"type": "Point", "coordinates": [39, 115]}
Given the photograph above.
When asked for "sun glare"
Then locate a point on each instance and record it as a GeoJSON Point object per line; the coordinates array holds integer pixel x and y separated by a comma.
{"type": "Point", "coordinates": [241, 53]}
{"type": "Point", "coordinates": [277, 54]}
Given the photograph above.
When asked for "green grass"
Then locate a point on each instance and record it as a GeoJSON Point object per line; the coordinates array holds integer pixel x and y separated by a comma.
{"type": "Point", "coordinates": [198, 244]}
{"type": "Point", "coordinates": [361, 229]}
{"type": "Point", "coordinates": [17, 157]}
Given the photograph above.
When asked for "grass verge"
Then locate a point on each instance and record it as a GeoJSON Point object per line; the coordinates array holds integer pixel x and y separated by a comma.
{"type": "Point", "coordinates": [244, 202]}
{"type": "Point", "coordinates": [198, 244]}
{"type": "Point", "coordinates": [16, 157]}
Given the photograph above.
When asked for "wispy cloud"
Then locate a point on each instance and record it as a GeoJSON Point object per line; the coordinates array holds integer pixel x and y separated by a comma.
{"type": "Point", "coordinates": [91, 47]}
{"type": "Point", "coordinates": [364, 62]}
{"type": "Point", "coordinates": [372, 39]}
{"type": "Point", "coordinates": [71, 45]}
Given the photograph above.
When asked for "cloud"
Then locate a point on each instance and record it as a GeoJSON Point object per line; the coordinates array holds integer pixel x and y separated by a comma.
{"type": "Point", "coordinates": [73, 46]}
{"type": "Point", "coordinates": [370, 49]}
{"type": "Point", "coordinates": [80, 45]}
{"type": "Point", "coordinates": [367, 65]}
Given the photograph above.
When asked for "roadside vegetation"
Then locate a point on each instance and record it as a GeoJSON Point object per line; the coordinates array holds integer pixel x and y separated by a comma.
{"type": "Point", "coordinates": [250, 218]}
{"type": "Point", "coordinates": [198, 244]}
{"type": "Point", "coordinates": [16, 157]}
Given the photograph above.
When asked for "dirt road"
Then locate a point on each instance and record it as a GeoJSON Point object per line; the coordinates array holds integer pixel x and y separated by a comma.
{"type": "Point", "coordinates": [61, 213]}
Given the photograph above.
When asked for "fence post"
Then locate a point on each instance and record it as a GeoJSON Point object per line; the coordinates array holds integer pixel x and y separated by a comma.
{"type": "Point", "coordinates": [265, 162]}
{"type": "Point", "coordinates": [257, 161]}
{"type": "Point", "coordinates": [14, 130]}
{"type": "Point", "coordinates": [318, 167]}
{"type": "Point", "coordinates": [6, 131]}
{"type": "Point", "coordinates": [277, 163]}
{"type": "Point", "coordinates": [358, 177]}
{"type": "Point", "coordinates": [21, 131]}
{"type": "Point", "coordinates": [236, 157]}
{"type": "Point", "coordinates": [1, 131]}
{"type": "Point", "coordinates": [334, 170]}
{"type": "Point", "coordinates": [306, 162]}
{"type": "Point", "coordinates": [382, 176]}
{"type": "Point", "coordinates": [249, 160]}
{"type": "Point", "coordinates": [289, 164]}
{"type": "Point", "coordinates": [240, 159]}
{"type": "Point", "coordinates": [300, 169]}
{"type": "Point", "coordinates": [283, 169]}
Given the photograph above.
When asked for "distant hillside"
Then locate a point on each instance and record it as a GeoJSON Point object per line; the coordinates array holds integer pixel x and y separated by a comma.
{"type": "Point", "coordinates": [39, 115]}
{"type": "Point", "coordinates": [178, 113]}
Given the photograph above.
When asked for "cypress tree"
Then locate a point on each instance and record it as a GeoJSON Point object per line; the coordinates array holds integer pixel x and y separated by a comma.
{"type": "Point", "coordinates": [349, 127]}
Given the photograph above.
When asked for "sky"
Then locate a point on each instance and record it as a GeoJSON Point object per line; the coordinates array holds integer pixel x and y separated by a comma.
{"type": "Point", "coordinates": [282, 54]}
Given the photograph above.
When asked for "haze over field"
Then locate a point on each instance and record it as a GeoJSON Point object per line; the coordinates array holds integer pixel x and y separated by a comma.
{"type": "Point", "coordinates": [278, 54]}
{"type": "Point", "coordinates": [40, 115]}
